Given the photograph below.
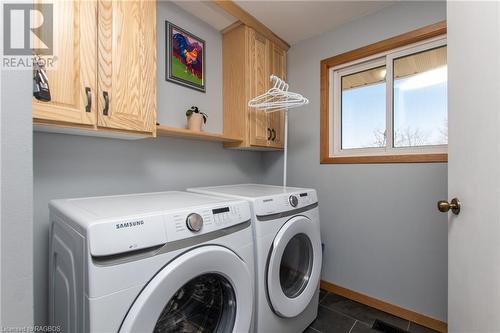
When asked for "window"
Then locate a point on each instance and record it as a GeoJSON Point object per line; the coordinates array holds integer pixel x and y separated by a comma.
{"type": "Point", "coordinates": [389, 105]}
{"type": "Point", "coordinates": [360, 100]}
{"type": "Point", "coordinates": [420, 115]}
{"type": "Point", "coordinates": [363, 108]}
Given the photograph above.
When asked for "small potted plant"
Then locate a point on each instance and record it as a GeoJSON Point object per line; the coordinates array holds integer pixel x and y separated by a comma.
{"type": "Point", "coordinates": [196, 119]}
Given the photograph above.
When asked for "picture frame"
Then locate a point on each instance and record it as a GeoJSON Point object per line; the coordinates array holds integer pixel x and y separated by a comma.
{"type": "Point", "coordinates": [185, 58]}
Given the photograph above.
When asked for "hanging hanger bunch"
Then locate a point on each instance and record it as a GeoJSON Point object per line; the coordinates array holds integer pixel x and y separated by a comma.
{"type": "Point", "coordinates": [278, 98]}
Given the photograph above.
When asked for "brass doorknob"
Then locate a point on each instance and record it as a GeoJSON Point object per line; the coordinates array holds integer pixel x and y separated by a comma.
{"type": "Point", "coordinates": [454, 205]}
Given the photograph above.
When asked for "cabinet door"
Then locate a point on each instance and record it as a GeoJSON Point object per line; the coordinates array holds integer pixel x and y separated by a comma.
{"type": "Point", "coordinates": [277, 119]}
{"type": "Point", "coordinates": [72, 79]}
{"type": "Point", "coordinates": [259, 84]}
{"type": "Point", "coordinates": [127, 65]}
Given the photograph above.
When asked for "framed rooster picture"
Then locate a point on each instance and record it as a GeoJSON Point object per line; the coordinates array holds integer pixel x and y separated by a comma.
{"type": "Point", "coordinates": [185, 61]}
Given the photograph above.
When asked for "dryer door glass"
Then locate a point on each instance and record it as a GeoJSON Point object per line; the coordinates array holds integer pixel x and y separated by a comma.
{"type": "Point", "coordinates": [205, 304]}
{"type": "Point", "coordinates": [296, 265]}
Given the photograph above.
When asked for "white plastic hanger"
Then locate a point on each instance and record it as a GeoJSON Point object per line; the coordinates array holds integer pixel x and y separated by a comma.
{"type": "Point", "coordinates": [278, 98]}
{"type": "Point", "coordinates": [269, 95]}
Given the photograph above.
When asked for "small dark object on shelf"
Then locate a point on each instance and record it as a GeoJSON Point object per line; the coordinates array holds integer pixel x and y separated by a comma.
{"type": "Point", "coordinates": [194, 109]}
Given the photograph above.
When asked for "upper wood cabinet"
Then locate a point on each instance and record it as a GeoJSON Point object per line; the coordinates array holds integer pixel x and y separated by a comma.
{"type": "Point", "coordinates": [106, 60]}
{"type": "Point", "coordinates": [249, 59]}
{"type": "Point", "coordinates": [127, 65]}
{"type": "Point", "coordinates": [73, 79]}
{"type": "Point", "coordinates": [276, 120]}
{"type": "Point", "coordinates": [259, 77]}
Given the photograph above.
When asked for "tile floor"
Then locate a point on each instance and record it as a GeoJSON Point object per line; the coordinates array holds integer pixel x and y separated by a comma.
{"type": "Point", "coordinates": [337, 314]}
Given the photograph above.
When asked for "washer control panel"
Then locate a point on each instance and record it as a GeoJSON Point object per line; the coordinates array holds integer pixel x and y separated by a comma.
{"type": "Point", "coordinates": [194, 222]}
{"type": "Point", "coordinates": [125, 235]}
{"type": "Point", "coordinates": [143, 231]}
{"type": "Point", "coordinates": [285, 202]}
{"type": "Point", "coordinates": [202, 220]}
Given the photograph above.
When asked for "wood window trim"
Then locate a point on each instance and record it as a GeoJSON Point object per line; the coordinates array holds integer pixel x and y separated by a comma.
{"type": "Point", "coordinates": [418, 35]}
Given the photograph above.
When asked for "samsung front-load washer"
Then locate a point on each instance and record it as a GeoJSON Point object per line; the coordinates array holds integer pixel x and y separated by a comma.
{"type": "Point", "coordinates": [288, 253]}
{"type": "Point", "coordinates": [154, 262]}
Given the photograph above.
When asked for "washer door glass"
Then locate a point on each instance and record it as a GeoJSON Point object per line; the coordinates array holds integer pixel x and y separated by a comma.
{"type": "Point", "coordinates": [205, 289]}
{"type": "Point", "coordinates": [296, 265]}
{"type": "Point", "coordinates": [205, 304]}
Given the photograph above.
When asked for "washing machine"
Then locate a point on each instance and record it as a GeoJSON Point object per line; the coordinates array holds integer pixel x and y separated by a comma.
{"type": "Point", "coordinates": [154, 262]}
{"type": "Point", "coordinates": [288, 253]}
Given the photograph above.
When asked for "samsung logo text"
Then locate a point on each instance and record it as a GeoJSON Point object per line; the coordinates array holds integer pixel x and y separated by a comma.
{"type": "Point", "coordinates": [129, 224]}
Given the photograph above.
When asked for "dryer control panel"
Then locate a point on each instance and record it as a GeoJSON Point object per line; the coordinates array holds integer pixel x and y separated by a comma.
{"type": "Point", "coordinates": [285, 202]}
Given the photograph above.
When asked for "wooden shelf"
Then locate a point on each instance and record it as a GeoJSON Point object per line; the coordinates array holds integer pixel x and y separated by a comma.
{"type": "Point", "coordinates": [162, 130]}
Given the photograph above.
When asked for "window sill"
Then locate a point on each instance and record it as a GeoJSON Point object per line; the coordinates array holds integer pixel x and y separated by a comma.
{"type": "Point", "coordinates": [409, 158]}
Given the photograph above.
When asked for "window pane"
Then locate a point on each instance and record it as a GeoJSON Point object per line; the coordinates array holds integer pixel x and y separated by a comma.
{"type": "Point", "coordinates": [363, 109]}
{"type": "Point", "coordinates": [420, 99]}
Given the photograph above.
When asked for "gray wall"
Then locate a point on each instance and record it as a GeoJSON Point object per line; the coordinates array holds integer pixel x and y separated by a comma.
{"type": "Point", "coordinates": [16, 193]}
{"type": "Point", "coordinates": [173, 99]}
{"type": "Point", "coordinates": [383, 235]}
{"type": "Point", "coordinates": [73, 166]}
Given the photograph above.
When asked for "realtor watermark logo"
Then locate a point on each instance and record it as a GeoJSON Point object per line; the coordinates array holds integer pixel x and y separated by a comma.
{"type": "Point", "coordinates": [27, 35]}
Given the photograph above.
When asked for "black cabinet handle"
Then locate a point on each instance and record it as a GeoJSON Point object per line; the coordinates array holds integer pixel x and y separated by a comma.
{"type": "Point", "coordinates": [106, 103]}
{"type": "Point", "coordinates": [88, 92]}
{"type": "Point", "coordinates": [41, 89]}
{"type": "Point", "coordinates": [274, 134]}
{"type": "Point", "coordinates": [269, 133]}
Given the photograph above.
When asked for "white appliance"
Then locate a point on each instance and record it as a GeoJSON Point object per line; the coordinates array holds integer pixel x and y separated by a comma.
{"type": "Point", "coordinates": [288, 253]}
{"type": "Point", "coordinates": [153, 262]}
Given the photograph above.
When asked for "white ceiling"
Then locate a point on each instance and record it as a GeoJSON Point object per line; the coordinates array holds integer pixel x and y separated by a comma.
{"type": "Point", "coordinates": [294, 21]}
{"type": "Point", "coordinates": [208, 12]}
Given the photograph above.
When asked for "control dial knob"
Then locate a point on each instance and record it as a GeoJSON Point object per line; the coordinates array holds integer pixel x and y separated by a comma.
{"type": "Point", "coordinates": [194, 222]}
{"type": "Point", "coordinates": [293, 200]}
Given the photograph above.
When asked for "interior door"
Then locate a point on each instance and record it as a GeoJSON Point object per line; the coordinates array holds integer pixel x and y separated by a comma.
{"type": "Point", "coordinates": [294, 267]}
{"type": "Point", "coordinates": [72, 79]}
{"type": "Point", "coordinates": [127, 65]}
{"type": "Point", "coordinates": [207, 289]}
{"type": "Point", "coordinates": [474, 166]}
{"type": "Point", "coordinates": [277, 119]}
{"type": "Point", "coordinates": [260, 133]}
